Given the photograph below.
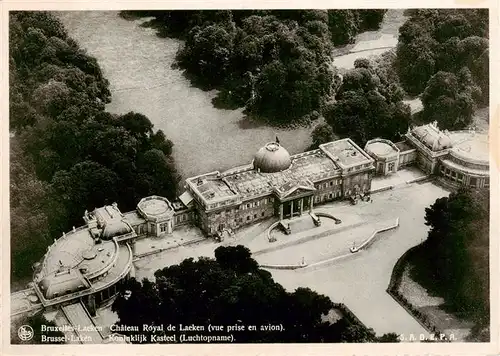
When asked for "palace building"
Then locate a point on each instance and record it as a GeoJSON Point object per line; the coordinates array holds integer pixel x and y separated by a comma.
{"type": "Point", "coordinates": [277, 184]}
{"type": "Point", "coordinates": [88, 263]}
{"type": "Point", "coordinates": [456, 158]}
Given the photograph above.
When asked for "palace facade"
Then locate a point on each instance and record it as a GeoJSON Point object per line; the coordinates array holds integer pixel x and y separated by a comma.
{"type": "Point", "coordinates": [277, 184]}
{"type": "Point", "coordinates": [456, 158]}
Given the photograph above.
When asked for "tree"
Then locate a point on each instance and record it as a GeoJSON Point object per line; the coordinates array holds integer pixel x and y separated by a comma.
{"type": "Point", "coordinates": [448, 40]}
{"type": "Point", "coordinates": [453, 261]}
{"type": "Point", "coordinates": [344, 25]}
{"type": "Point", "coordinates": [368, 105]}
{"type": "Point", "coordinates": [157, 174]}
{"type": "Point", "coordinates": [51, 97]}
{"type": "Point", "coordinates": [29, 228]}
{"type": "Point", "coordinates": [322, 133]}
{"type": "Point", "coordinates": [207, 52]}
{"type": "Point", "coordinates": [480, 70]}
{"type": "Point", "coordinates": [357, 333]}
{"type": "Point", "coordinates": [390, 337]}
{"type": "Point", "coordinates": [86, 185]}
{"type": "Point", "coordinates": [450, 101]}
{"type": "Point", "coordinates": [237, 258]}
{"type": "Point", "coordinates": [371, 19]}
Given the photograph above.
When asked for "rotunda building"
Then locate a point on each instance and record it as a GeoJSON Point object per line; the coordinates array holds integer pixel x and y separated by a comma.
{"type": "Point", "coordinates": [385, 153]}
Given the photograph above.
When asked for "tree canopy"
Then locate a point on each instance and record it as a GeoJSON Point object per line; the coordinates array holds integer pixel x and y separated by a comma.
{"type": "Point", "coordinates": [453, 41]}
{"type": "Point", "coordinates": [232, 290]}
{"type": "Point", "coordinates": [67, 153]}
{"type": "Point", "coordinates": [275, 63]}
{"type": "Point", "coordinates": [453, 261]}
{"type": "Point", "coordinates": [368, 104]}
{"type": "Point", "coordinates": [449, 99]}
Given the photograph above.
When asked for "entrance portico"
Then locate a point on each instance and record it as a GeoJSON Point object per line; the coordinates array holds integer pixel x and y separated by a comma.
{"type": "Point", "coordinates": [295, 207]}
{"type": "Point", "coordinates": [294, 198]}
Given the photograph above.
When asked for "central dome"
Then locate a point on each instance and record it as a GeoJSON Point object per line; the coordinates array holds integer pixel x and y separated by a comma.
{"type": "Point", "coordinates": [272, 158]}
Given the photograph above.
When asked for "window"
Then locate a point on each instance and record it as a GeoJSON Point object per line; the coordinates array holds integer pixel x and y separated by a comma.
{"type": "Point", "coordinates": [265, 201]}
{"type": "Point", "coordinates": [255, 216]}
{"type": "Point", "coordinates": [473, 181]}
{"type": "Point", "coordinates": [330, 196]}
{"type": "Point", "coordinates": [262, 214]}
{"type": "Point", "coordinates": [486, 182]}
{"type": "Point", "coordinates": [248, 217]}
{"type": "Point", "coordinates": [248, 206]}
{"type": "Point", "coordinates": [331, 183]}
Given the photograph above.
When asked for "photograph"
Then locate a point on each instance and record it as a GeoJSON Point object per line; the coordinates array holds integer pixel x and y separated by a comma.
{"type": "Point", "coordinates": [249, 176]}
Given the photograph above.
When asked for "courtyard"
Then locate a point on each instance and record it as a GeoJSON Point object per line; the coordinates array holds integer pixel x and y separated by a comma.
{"type": "Point", "coordinates": [359, 280]}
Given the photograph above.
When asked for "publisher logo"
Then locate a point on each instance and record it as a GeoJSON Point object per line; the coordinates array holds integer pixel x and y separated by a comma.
{"type": "Point", "coordinates": [25, 332]}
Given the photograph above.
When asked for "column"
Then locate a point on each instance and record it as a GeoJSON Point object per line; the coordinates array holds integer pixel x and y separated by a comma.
{"type": "Point", "coordinates": [301, 205]}
{"type": "Point", "coordinates": [311, 203]}
{"type": "Point", "coordinates": [291, 209]}
{"type": "Point", "coordinates": [281, 211]}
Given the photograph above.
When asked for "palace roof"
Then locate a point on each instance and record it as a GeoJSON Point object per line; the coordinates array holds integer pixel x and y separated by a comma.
{"type": "Point", "coordinates": [432, 137]}
{"type": "Point", "coordinates": [470, 146]}
{"type": "Point", "coordinates": [85, 260]}
{"type": "Point", "coordinates": [246, 182]}
{"type": "Point", "coordinates": [346, 153]}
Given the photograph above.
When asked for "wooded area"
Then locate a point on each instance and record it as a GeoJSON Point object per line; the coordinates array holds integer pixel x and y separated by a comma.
{"type": "Point", "coordinates": [67, 153]}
